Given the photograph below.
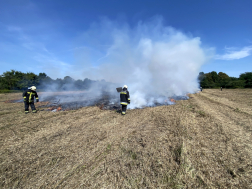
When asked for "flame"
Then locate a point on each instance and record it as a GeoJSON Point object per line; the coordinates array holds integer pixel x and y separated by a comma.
{"type": "Point", "coordinates": [59, 108]}
{"type": "Point", "coordinates": [172, 100]}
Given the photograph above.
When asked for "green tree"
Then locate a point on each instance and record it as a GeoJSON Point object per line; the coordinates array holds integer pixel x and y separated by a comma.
{"type": "Point", "coordinates": [214, 76]}
{"type": "Point", "coordinates": [42, 76]}
{"type": "Point", "coordinates": [232, 84]}
{"type": "Point", "coordinates": [201, 76]}
{"type": "Point", "coordinates": [68, 79]}
{"type": "Point", "coordinates": [209, 81]}
{"type": "Point", "coordinates": [87, 83]}
{"type": "Point", "coordinates": [79, 84]}
{"type": "Point", "coordinates": [10, 79]}
{"type": "Point", "coordinates": [223, 79]}
{"type": "Point", "coordinates": [247, 77]}
{"type": "Point", "coordinates": [3, 83]}
{"type": "Point", "coordinates": [29, 79]}
{"type": "Point", "coordinates": [44, 80]}
{"type": "Point", "coordinates": [202, 79]}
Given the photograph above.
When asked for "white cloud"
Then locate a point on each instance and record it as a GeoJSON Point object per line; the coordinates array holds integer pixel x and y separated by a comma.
{"type": "Point", "coordinates": [232, 54]}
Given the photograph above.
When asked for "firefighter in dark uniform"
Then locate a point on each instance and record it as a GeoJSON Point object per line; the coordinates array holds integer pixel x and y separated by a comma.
{"type": "Point", "coordinates": [29, 99]}
{"type": "Point", "coordinates": [124, 99]}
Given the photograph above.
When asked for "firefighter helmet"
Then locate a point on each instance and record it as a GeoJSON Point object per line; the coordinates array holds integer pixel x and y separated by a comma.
{"type": "Point", "coordinates": [33, 88]}
{"type": "Point", "coordinates": [125, 86]}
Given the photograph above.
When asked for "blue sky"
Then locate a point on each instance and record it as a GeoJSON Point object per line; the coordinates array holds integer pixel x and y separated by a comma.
{"type": "Point", "coordinates": [44, 36]}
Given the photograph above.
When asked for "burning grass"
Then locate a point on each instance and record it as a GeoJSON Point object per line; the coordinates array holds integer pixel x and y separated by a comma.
{"type": "Point", "coordinates": [199, 143]}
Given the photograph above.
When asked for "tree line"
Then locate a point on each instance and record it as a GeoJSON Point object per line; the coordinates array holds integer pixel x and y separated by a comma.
{"type": "Point", "coordinates": [16, 80]}
{"type": "Point", "coordinates": [214, 80]}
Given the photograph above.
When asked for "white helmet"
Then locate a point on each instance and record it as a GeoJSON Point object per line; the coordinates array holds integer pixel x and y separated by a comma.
{"type": "Point", "coordinates": [33, 88]}
{"type": "Point", "coordinates": [125, 86]}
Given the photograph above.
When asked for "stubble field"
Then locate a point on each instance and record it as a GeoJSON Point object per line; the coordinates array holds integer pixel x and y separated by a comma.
{"type": "Point", "coordinates": [203, 142]}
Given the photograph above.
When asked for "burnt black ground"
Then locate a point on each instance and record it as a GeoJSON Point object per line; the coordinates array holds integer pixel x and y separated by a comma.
{"type": "Point", "coordinates": [106, 101]}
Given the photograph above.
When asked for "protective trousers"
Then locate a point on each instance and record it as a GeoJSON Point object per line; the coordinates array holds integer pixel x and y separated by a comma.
{"type": "Point", "coordinates": [32, 107]}
{"type": "Point", "coordinates": [124, 108]}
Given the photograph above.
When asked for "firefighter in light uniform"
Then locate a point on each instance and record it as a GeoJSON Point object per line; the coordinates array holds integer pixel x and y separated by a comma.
{"type": "Point", "coordinates": [124, 99]}
{"type": "Point", "coordinates": [29, 99]}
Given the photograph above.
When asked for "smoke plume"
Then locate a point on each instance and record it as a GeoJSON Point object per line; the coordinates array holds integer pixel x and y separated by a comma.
{"type": "Point", "coordinates": [154, 60]}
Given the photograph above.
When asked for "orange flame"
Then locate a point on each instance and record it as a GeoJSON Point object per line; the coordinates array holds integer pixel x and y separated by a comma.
{"type": "Point", "coordinates": [59, 108]}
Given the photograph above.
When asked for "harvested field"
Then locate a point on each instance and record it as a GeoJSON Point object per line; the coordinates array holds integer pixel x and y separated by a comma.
{"type": "Point", "coordinates": [203, 142]}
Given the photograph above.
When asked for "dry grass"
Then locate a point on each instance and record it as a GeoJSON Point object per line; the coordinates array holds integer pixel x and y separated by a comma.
{"type": "Point", "coordinates": [204, 142]}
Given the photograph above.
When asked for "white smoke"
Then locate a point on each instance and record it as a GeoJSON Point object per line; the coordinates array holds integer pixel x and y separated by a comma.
{"type": "Point", "coordinates": [154, 60]}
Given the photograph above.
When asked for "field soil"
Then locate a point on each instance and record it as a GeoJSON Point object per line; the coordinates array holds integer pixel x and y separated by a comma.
{"type": "Point", "coordinates": [203, 142]}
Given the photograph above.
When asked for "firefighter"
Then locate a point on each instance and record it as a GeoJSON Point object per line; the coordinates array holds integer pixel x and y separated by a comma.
{"type": "Point", "coordinates": [29, 99]}
{"type": "Point", "coordinates": [201, 89]}
{"type": "Point", "coordinates": [124, 99]}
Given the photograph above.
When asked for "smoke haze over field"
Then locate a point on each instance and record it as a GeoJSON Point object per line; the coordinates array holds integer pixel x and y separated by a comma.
{"type": "Point", "coordinates": [152, 59]}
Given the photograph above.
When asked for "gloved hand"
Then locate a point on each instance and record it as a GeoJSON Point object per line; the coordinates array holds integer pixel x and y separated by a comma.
{"type": "Point", "coordinates": [37, 100]}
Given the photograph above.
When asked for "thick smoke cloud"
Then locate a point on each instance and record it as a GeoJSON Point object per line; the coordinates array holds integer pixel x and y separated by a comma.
{"type": "Point", "coordinates": [154, 60]}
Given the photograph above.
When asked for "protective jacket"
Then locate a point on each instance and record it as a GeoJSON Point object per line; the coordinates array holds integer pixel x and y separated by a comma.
{"type": "Point", "coordinates": [124, 97]}
{"type": "Point", "coordinates": [29, 96]}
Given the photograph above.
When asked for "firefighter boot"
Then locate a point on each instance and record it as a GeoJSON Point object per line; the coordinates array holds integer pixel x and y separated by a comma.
{"type": "Point", "coordinates": [124, 107]}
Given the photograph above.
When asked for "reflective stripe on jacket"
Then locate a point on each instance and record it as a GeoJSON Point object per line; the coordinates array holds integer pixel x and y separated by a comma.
{"type": "Point", "coordinates": [29, 95]}
{"type": "Point", "coordinates": [124, 97]}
